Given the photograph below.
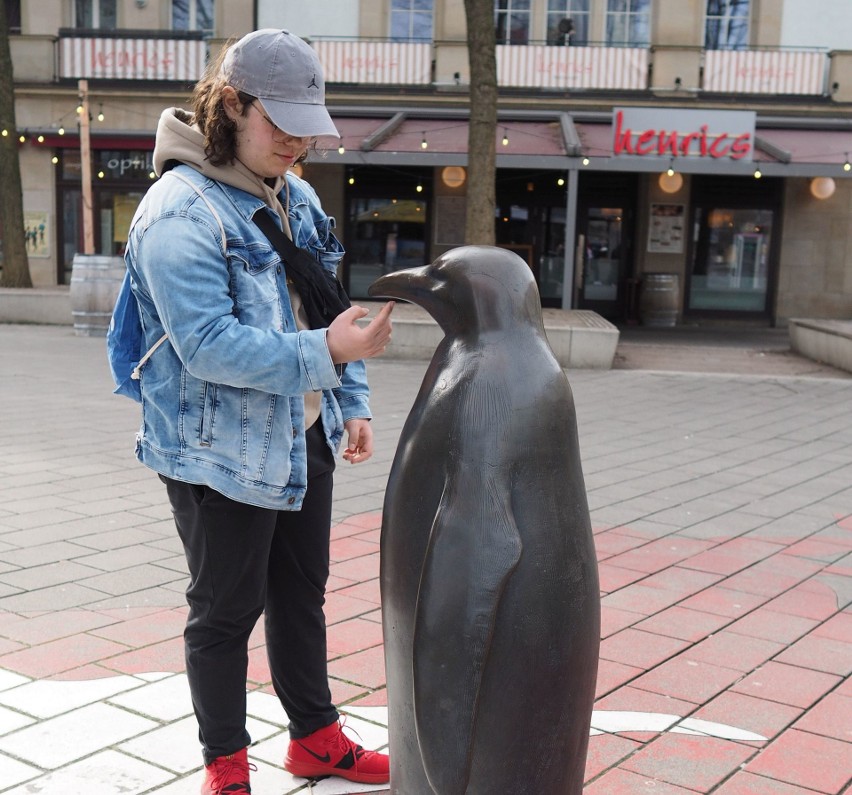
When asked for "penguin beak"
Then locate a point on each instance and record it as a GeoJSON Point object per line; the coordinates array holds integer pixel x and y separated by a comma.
{"type": "Point", "coordinates": [410, 284]}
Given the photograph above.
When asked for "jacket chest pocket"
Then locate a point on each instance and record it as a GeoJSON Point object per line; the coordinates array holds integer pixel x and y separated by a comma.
{"type": "Point", "coordinates": [255, 280]}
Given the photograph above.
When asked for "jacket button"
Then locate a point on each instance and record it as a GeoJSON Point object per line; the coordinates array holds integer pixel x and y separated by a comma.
{"type": "Point", "coordinates": [291, 500]}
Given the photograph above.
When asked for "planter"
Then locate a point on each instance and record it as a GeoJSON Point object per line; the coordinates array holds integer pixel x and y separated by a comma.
{"type": "Point", "coordinates": [95, 281]}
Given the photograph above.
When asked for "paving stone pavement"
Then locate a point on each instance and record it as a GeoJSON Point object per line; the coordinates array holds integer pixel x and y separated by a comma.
{"type": "Point", "coordinates": [722, 509]}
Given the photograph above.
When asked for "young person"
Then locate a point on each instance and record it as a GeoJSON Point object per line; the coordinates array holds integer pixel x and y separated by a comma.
{"type": "Point", "coordinates": [245, 401]}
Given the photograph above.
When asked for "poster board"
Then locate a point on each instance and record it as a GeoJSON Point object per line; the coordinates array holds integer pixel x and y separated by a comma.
{"type": "Point", "coordinates": [666, 226]}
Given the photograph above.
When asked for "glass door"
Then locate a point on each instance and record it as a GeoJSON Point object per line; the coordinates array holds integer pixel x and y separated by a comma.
{"type": "Point", "coordinates": [601, 251]}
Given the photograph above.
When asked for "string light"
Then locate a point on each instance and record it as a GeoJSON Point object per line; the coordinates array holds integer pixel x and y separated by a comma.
{"type": "Point", "coordinates": [40, 139]}
{"type": "Point", "coordinates": [22, 138]}
{"type": "Point", "coordinates": [54, 160]}
{"type": "Point", "coordinates": [61, 130]}
{"type": "Point", "coordinates": [5, 133]}
{"type": "Point", "coordinates": [152, 175]}
{"type": "Point", "coordinates": [424, 144]}
{"type": "Point", "coordinates": [80, 108]}
{"type": "Point", "coordinates": [101, 112]}
{"type": "Point", "coordinates": [341, 149]}
{"type": "Point", "coordinates": [585, 161]}
{"type": "Point", "coordinates": [505, 138]}
{"type": "Point", "coordinates": [100, 175]}
{"type": "Point", "coordinates": [351, 180]}
{"type": "Point", "coordinates": [670, 170]}
{"type": "Point", "coordinates": [419, 188]}
{"type": "Point", "coordinates": [847, 166]}
{"type": "Point", "coordinates": [560, 182]}
{"type": "Point", "coordinates": [757, 174]}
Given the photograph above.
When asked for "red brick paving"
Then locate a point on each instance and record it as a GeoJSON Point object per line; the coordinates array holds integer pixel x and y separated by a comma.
{"type": "Point", "coordinates": [807, 760]}
{"type": "Point", "coordinates": [736, 634]}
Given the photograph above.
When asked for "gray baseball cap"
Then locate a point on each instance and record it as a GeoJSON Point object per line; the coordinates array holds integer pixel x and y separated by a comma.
{"type": "Point", "coordinates": [284, 73]}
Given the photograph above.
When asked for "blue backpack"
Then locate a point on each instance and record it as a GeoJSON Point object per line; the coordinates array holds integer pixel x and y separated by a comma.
{"type": "Point", "coordinates": [125, 343]}
{"type": "Point", "coordinates": [125, 336]}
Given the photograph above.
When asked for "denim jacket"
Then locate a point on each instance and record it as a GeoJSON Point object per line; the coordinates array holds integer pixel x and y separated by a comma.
{"type": "Point", "coordinates": [222, 398]}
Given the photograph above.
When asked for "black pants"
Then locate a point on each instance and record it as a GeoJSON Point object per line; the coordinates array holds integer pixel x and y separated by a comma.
{"type": "Point", "coordinates": [243, 561]}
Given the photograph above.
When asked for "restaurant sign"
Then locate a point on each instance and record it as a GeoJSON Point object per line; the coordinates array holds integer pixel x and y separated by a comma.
{"type": "Point", "coordinates": [669, 133]}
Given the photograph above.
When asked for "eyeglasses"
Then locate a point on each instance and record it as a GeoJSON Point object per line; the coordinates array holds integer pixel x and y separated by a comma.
{"type": "Point", "coordinates": [276, 130]}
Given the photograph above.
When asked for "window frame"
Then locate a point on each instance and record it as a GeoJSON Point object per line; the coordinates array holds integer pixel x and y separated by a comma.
{"type": "Point", "coordinates": [505, 11]}
{"type": "Point", "coordinates": [578, 11]}
{"type": "Point", "coordinates": [401, 9]}
{"type": "Point", "coordinates": [192, 16]}
{"type": "Point", "coordinates": [621, 25]}
{"type": "Point", "coordinates": [725, 20]}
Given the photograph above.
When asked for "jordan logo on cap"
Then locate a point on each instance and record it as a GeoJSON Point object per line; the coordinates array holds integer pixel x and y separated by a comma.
{"type": "Point", "coordinates": [313, 83]}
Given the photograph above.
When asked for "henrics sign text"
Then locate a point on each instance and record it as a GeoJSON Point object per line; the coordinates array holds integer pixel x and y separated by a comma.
{"type": "Point", "coordinates": [667, 133]}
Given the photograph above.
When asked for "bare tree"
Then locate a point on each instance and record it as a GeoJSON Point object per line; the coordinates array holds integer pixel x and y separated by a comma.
{"type": "Point", "coordinates": [482, 55]}
{"type": "Point", "coordinates": [16, 268]}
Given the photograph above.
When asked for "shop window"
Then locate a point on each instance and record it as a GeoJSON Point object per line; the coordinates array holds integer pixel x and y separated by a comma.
{"type": "Point", "coordinates": [730, 269]}
{"type": "Point", "coordinates": [411, 20]}
{"type": "Point", "coordinates": [726, 25]}
{"type": "Point", "coordinates": [628, 22]}
{"type": "Point", "coordinates": [512, 21]}
{"type": "Point", "coordinates": [93, 14]}
{"type": "Point", "coordinates": [193, 15]}
{"type": "Point", "coordinates": [386, 225]}
{"type": "Point", "coordinates": [567, 22]}
{"type": "Point", "coordinates": [13, 16]}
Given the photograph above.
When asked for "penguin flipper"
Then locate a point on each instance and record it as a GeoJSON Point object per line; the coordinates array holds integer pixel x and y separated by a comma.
{"type": "Point", "coordinates": [473, 549]}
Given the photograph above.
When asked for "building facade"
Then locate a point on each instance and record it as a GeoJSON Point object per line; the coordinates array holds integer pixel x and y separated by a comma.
{"type": "Point", "coordinates": [699, 144]}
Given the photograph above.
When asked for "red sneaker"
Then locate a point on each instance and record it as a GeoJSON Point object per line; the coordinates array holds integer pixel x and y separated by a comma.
{"type": "Point", "coordinates": [329, 752]}
{"type": "Point", "coordinates": [228, 775]}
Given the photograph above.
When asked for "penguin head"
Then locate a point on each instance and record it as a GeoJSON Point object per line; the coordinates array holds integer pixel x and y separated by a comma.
{"type": "Point", "coordinates": [477, 288]}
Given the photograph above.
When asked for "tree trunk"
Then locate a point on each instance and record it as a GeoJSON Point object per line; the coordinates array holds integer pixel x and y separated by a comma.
{"type": "Point", "coordinates": [16, 268]}
{"type": "Point", "coordinates": [481, 44]}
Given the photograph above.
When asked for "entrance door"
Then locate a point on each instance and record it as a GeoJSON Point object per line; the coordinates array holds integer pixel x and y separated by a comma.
{"type": "Point", "coordinates": [604, 251]}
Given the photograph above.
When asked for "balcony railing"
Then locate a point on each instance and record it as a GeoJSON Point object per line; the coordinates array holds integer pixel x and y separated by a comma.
{"type": "Point", "coordinates": [132, 55]}
{"type": "Point", "coordinates": [542, 66]}
{"type": "Point", "coordinates": [384, 62]}
{"type": "Point", "coordinates": [765, 71]}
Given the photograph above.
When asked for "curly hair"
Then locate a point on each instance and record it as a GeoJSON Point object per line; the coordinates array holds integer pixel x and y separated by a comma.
{"type": "Point", "coordinates": [220, 132]}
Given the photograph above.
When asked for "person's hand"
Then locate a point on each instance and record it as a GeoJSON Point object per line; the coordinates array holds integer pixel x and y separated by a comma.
{"type": "Point", "coordinates": [349, 342]}
{"type": "Point", "coordinates": [360, 441]}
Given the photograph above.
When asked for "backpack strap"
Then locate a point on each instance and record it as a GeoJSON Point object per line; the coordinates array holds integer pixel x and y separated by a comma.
{"type": "Point", "coordinates": [137, 371]}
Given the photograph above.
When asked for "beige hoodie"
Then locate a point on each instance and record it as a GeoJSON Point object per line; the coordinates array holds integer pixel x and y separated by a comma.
{"type": "Point", "coordinates": [179, 139]}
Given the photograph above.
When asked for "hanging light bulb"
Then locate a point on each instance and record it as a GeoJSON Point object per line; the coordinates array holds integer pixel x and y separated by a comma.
{"type": "Point", "coordinates": [585, 161]}
{"type": "Point", "coordinates": [100, 175]}
{"type": "Point", "coordinates": [670, 170]}
{"type": "Point", "coordinates": [101, 112]}
{"type": "Point", "coordinates": [757, 174]}
{"type": "Point", "coordinates": [22, 138]}
{"type": "Point", "coordinates": [424, 144]}
{"type": "Point", "coordinates": [560, 182]}
{"type": "Point", "coordinates": [847, 166]}
{"type": "Point", "coordinates": [341, 149]}
{"type": "Point", "coordinates": [419, 188]}
{"type": "Point", "coordinates": [61, 130]}
{"type": "Point", "coordinates": [5, 133]}
{"type": "Point", "coordinates": [152, 175]}
{"type": "Point", "coordinates": [54, 160]}
{"type": "Point", "coordinates": [80, 108]}
{"type": "Point", "coordinates": [505, 138]}
{"type": "Point", "coordinates": [40, 139]}
{"type": "Point", "coordinates": [351, 180]}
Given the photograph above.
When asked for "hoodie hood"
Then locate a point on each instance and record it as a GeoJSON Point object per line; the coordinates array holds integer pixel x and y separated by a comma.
{"type": "Point", "coordinates": [180, 141]}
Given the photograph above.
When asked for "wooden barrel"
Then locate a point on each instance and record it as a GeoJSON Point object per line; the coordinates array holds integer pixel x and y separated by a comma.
{"type": "Point", "coordinates": [95, 281]}
{"type": "Point", "coordinates": [659, 299]}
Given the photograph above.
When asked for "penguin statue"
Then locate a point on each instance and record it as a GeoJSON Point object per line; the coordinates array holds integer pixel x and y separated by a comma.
{"type": "Point", "coordinates": [489, 583]}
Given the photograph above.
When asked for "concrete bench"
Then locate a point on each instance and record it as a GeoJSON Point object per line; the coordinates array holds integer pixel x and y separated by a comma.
{"type": "Point", "coordinates": [826, 341]}
{"type": "Point", "coordinates": [580, 338]}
